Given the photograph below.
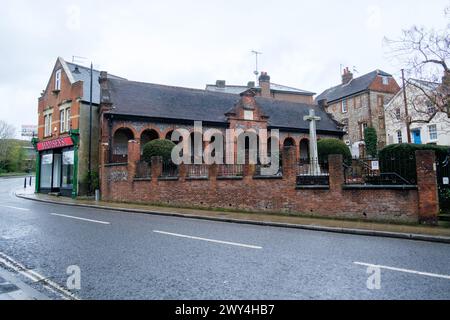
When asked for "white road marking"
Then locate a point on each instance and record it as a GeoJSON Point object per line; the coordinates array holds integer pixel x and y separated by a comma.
{"type": "Point", "coordinates": [434, 275]}
{"type": "Point", "coordinates": [208, 240]}
{"type": "Point", "coordinates": [17, 208]}
{"type": "Point", "coordinates": [10, 263]}
{"type": "Point", "coordinates": [78, 218]}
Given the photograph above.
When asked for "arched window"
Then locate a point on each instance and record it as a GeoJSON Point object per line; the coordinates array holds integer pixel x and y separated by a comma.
{"type": "Point", "coordinates": [304, 149]}
{"type": "Point", "coordinates": [120, 145]}
{"type": "Point", "coordinates": [289, 142]}
{"type": "Point", "coordinates": [169, 135]}
{"type": "Point", "coordinates": [147, 136]}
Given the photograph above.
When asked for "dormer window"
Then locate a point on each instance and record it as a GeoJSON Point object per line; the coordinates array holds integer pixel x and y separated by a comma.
{"type": "Point", "coordinates": [385, 80]}
{"type": "Point", "coordinates": [58, 80]}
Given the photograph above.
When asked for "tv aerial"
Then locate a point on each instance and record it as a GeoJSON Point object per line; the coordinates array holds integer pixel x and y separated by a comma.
{"type": "Point", "coordinates": [256, 53]}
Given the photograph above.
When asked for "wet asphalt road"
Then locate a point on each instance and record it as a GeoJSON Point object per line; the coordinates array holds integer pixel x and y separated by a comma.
{"type": "Point", "coordinates": [122, 257]}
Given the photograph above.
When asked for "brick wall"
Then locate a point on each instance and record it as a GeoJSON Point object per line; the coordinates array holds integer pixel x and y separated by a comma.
{"type": "Point", "coordinates": [273, 195]}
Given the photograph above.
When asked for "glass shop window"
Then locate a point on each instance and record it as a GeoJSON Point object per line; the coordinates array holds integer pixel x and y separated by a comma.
{"type": "Point", "coordinates": [67, 169]}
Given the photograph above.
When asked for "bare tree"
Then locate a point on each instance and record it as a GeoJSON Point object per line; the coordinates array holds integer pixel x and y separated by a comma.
{"type": "Point", "coordinates": [425, 55]}
{"type": "Point", "coordinates": [7, 132]}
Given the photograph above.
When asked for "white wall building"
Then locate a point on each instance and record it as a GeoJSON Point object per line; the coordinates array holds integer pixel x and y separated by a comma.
{"type": "Point", "coordinates": [420, 109]}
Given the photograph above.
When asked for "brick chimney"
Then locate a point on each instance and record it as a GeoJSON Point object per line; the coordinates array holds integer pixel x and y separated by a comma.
{"type": "Point", "coordinates": [220, 83]}
{"type": "Point", "coordinates": [264, 84]}
{"type": "Point", "coordinates": [347, 76]}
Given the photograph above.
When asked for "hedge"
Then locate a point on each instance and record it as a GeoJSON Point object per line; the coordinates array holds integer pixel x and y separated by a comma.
{"type": "Point", "coordinates": [333, 146]}
{"type": "Point", "coordinates": [158, 148]}
{"type": "Point", "coordinates": [401, 158]}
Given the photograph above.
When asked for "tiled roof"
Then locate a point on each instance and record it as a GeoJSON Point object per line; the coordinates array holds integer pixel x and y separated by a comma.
{"type": "Point", "coordinates": [175, 103]}
{"type": "Point", "coordinates": [84, 74]}
{"type": "Point", "coordinates": [355, 86]}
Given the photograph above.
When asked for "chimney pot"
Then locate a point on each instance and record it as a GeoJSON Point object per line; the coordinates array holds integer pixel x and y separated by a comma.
{"type": "Point", "coordinates": [220, 83]}
{"type": "Point", "coordinates": [347, 76]}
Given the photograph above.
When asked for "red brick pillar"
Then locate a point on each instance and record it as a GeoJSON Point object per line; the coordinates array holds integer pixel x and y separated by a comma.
{"type": "Point", "coordinates": [336, 170]}
{"type": "Point", "coordinates": [134, 155]}
{"type": "Point", "coordinates": [156, 168]}
{"type": "Point", "coordinates": [103, 171]}
{"type": "Point", "coordinates": [182, 171]}
{"type": "Point", "coordinates": [289, 164]}
{"type": "Point", "coordinates": [427, 187]}
{"type": "Point", "coordinates": [212, 172]}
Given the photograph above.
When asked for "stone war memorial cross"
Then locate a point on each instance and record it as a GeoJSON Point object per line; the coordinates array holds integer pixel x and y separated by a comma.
{"type": "Point", "coordinates": [313, 154]}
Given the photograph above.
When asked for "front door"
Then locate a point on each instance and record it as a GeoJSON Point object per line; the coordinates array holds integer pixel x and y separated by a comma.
{"type": "Point", "coordinates": [416, 137]}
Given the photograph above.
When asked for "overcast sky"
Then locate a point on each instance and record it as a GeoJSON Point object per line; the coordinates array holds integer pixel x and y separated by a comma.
{"type": "Point", "coordinates": [192, 43]}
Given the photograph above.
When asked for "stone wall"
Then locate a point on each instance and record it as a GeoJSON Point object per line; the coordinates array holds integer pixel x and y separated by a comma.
{"type": "Point", "coordinates": [263, 194]}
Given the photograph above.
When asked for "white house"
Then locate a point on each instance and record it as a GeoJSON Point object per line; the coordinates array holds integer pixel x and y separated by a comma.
{"type": "Point", "coordinates": [427, 125]}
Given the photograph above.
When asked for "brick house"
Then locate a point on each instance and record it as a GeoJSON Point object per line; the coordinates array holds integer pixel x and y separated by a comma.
{"type": "Point", "coordinates": [62, 143]}
{"type": "Point", "coordinates": [143, 112]}
{"type": "Point", "coordinates": [358, 103]}
{"type": "Point", "coordinates": [265, 89]}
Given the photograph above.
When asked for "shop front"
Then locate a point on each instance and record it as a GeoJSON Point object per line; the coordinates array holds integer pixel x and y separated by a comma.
{"type": "Point", "coordinates": [56, 163]}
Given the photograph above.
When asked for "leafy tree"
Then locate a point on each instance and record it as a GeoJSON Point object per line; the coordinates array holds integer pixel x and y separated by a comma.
{"type": "Point", "coordinates": [333, 146]}
{"type": "Point", "coordinates": [370, 139]}
{"type": "Point", "coordinates": [158, 148]}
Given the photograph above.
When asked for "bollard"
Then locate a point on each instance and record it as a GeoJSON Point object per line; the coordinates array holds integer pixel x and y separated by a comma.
{"type": "Point", "coordinates": [30, 180]}
{"type": "Point", "coordinates": [25, 183]}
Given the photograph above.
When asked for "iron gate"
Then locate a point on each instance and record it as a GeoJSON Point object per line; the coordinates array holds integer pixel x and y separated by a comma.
{"type": "Point", "coordinates": [443, 177]}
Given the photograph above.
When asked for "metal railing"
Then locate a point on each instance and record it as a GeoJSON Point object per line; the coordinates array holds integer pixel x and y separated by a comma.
{"type": "Point", "coordinates": [312, 172]}
{"type": "Point", "coordinates": [169, 169]}
{"type": "Point", "coordinates": [230, 170]}
{"type": "Point", "coordinates": [260, 173]}
{"type": "Point", "coordinates": [197, 170]}
{"type": "Point", "coordinates": [393, 170]}
{"type": "Point", "coordinates": [143, 170]}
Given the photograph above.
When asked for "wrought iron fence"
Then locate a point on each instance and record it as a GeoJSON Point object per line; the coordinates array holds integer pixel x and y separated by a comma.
{"type": "Point", "coordinates": [197, 171]}
{"type": "Point", "coordinates": [260, 173]}
{"type": "Point", "coordinates": [392, 170]}
{"type": "Point", "coordinates": [169, 169]}
{"type": "Point", "coordinates": [230, 170]}
{"type": "Point", "coordinates": [312, 172]}
{"type": "Point", "coordinates": [143, 170]}
{"type": "Point", "coordinates": [443, 177]}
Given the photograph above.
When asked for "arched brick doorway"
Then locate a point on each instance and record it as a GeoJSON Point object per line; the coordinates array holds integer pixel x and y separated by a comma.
{"type": "Point", "coordinates": [147, 136]}
{"type": "Point", "coordinates": [120, 145]}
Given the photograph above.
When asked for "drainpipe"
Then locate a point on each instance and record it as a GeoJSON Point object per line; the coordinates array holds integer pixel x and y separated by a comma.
{"type": "Point", "coordinates": [90, 138]}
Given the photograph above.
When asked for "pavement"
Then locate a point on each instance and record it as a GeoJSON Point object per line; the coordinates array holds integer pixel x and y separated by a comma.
{"type": "Point", "coordinates": [118, 254]}
{"type": "Point", "coordinates": [11, 288]}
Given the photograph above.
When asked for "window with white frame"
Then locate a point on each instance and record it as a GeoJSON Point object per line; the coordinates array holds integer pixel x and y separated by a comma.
{"type": "Point", "coordinates": [433, 132]}
{"type": "Point", "coordinates": [58, 80]}
{"type": "Point", "coordinates": [65, 119]}
{"type": "Point", "coordinates": [47, 124]}
{"type": "Point", "coordinates": [399, 136]}
{"type": "Point", "coordinates": [344, 106]}
{"type": "Point", "coordinates": [385, 80]}
{"type": "Point", "coordinates": [430, 107]}
{"type": "Point", "coordinates": [248, 115]}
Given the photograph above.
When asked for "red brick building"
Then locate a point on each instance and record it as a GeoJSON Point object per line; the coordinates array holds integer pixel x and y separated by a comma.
{"type": "Point", "coordinates": [143, 112]}
{"type": "Point", "coordinates": [62, 143]}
